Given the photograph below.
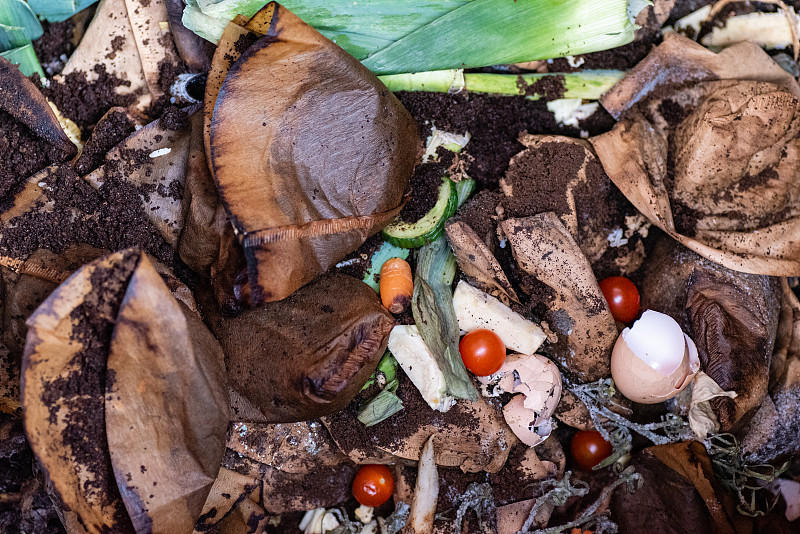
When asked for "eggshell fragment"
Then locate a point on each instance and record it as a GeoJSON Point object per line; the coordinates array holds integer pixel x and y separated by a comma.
{"type": "Point", "coordinates": [539, 382]}
{"type": "Point", "coordinates": [653, 360]}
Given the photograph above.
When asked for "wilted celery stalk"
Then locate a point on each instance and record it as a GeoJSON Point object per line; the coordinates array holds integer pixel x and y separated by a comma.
{"type": "Point", "coordinates": [398, 36]}
{"type": "Point", "coordinates": [587, 84]}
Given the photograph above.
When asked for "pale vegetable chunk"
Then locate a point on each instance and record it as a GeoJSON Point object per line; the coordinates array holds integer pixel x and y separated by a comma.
{"type": "Point", "coordinates": [476, 309]}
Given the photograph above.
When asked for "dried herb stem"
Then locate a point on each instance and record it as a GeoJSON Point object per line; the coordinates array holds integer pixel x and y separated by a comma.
{"type": "Point", "coordinates": [564, 490]}
{"type": "Point", "coordinates": [615, 428]}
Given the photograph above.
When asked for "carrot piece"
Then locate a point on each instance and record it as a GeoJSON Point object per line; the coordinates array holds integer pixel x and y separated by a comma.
{"type": "Point", "coordinates": [396, 285]}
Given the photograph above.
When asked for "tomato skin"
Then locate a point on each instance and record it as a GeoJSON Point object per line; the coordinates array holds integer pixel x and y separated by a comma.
{"type": "Point", "coordinates": [622, 297]}
{"type": "Point", "coordinates": [373, 485]}
{"type": "Point", "coordinates": [589, 448]}
{"type": "Point", "coordinates": [482, 351]}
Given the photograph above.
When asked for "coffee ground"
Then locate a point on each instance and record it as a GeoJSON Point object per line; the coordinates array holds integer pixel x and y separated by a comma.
{"type": "Point", "coordinates": [22, 154]}
{"type": "Point", "coordinates": [425, 184]}
{"type": "Point", "coordinates": [110, 131]}
{"type": "Point", "coordinates": [494, 123]}
{"type": "Point", "coordinates": [55, 46]}
{"type": "Point", "coordinates": [83, 101]}
{"type": "Point", "coordinates": [110, 218]}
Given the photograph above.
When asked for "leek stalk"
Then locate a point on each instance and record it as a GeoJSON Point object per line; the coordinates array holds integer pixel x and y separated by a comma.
{"type": "Point", "coordinates": [18, 28]}
{"type": "Point", "coordinates": [25, 58]}
{"type": "Point", "coordinates": [400, 36]}
{"type": "Point", "coordinates": [587, 84]}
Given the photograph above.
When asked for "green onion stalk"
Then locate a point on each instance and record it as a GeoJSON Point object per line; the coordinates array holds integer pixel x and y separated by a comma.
{"type": "Point", "coordinates": [587, 84]}
{"type": "Point", "coordinates": [405, 36]}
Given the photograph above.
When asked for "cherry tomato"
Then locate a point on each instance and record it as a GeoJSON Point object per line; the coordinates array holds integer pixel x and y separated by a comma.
{"type": "Point", "coordinates": [483, 352]}
{"type": "Point", "coordinates": [373, 486]}
{"type": "Point", "coordinates": [589, 448]}
{"type": "Point", "coordinates": [622, 297]}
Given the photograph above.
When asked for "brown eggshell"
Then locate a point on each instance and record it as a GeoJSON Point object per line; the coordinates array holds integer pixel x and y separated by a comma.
{"type": "Point", "coordinates": [641, 383]}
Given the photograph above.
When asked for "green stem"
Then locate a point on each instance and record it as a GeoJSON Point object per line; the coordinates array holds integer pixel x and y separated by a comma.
{"type": "Point", "coordinates": [587, 84]}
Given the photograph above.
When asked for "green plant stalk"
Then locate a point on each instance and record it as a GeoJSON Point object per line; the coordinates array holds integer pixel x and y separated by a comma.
{"type": "Point", "coordinates": [25, 57]}
{"type": "Point", "coordinates": [587, 84]}
{"type": "Point", "coordinates": [397, 36]}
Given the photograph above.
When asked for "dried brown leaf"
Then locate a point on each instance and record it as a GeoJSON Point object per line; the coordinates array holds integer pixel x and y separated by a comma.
{"type": "Point", "coordinates": [731, 164]}
{"type": "Point", "coordinates": [477, 261]}
{"type": "Point", "coordinates": [99, 362]}
{"type": "Point", "coordinates": [20, 98]}
{"type": "Point", "coordinates": [301, 192]}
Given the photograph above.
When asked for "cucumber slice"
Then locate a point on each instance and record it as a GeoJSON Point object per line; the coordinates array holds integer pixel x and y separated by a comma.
{"type": "Point", "coordinates": [430, 226]}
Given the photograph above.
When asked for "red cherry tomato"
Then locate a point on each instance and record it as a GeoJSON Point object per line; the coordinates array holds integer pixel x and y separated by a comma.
{"type": "Point", "coordinates": [483, 352]}
{"type": "Point", "coordinates": [373, 486]}
{"type": "Point", "coordinates": [622, 297]}
{"type": "Point", "coordinates": [589, 448]}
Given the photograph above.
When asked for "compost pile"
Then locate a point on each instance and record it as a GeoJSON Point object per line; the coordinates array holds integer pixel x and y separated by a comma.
{"type": "Point", "coordinates": [269, 267]}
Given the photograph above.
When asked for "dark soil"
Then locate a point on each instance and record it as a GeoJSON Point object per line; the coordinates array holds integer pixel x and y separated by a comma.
{"type": "Point", "coordinates": [110, 218]}
{"type": "Point", "coordinates": [494, 123]}
{"type": "Point", "coordinates": [22, 154]}
{"type": "Point", "coordinates": [55, 46]}
{"type": "Point", "coordinates": [86, 102]}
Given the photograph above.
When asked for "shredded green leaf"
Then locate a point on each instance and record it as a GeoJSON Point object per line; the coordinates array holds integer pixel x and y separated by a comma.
{"type": "Point", "coordinates": [432, 307]}
{"type": "Point", "coordinates": [384, 405]}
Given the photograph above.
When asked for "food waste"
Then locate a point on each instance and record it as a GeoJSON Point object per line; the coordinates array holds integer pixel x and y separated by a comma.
{"type": "Point", "coordinates": [255, 277]}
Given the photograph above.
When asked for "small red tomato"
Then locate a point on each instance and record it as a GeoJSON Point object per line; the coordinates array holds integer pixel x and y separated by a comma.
{"type": "Point", "coordinates": [589, 448]}
{"type": "Point", "coordinates": [622, 297]}
{"type": "Point", "coordinates": [483, 352]}
{"type": "Point", "coordinates": [373, 486]}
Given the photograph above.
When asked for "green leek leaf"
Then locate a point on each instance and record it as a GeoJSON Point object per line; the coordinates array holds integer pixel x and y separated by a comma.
{"type": "Point", "coordinates": [25, 57]}
{"type": "Point", "coordinates": [18, 24]}
{"type": "Point", "coordinates": [384, 405]}
{"type": "Point", "coordinates": [400, 36]}
{"type": "Point", "coordinates": [489, 32]}
{"type": "Point", "coordinates": [464, 189]}
{"type": "Point", "coordinates": [432, 307]}
{"type": "Point", "coordinates": [58, 10]}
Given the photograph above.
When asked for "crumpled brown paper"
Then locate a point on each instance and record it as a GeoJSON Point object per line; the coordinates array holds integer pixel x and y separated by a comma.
{"type": "Point", "coordinates": [125, 408]}
{"type": "Point", "coordinates": [732, 161]}
{"type": "Point", "coordinates": [310, 152]}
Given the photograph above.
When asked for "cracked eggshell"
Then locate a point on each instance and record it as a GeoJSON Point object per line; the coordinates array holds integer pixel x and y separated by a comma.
{"type": "Point", "coordinates": [537, 382]}
{"type": "Point", "coordinates": [653, 360]}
